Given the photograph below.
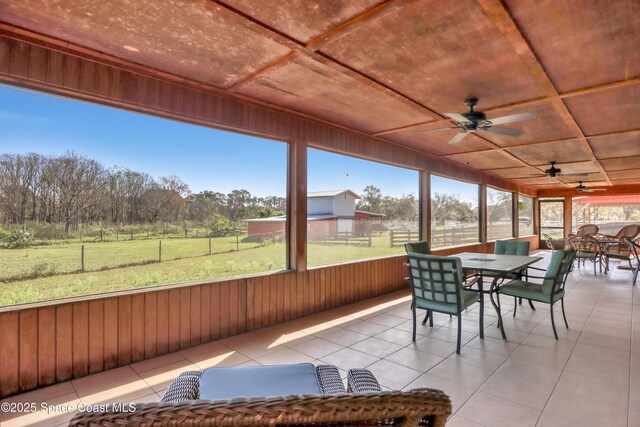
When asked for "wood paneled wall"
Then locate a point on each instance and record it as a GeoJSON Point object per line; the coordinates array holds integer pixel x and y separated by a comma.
{"type": "Point", "coordinates": [57, 342]}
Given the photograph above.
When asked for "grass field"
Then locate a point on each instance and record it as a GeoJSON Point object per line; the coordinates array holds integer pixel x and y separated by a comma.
{"type": "Point", "coordinates": [195, 264]}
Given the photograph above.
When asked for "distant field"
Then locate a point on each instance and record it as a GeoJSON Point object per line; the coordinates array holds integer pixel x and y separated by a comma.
{"type": "Point", "coordinates": [195, 265]}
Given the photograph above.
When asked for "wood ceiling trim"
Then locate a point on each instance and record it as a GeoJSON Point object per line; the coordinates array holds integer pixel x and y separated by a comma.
{"type": "Point", "coordinates": [504, 21]}
{"type": "Point", "coordinates": [349, 26]}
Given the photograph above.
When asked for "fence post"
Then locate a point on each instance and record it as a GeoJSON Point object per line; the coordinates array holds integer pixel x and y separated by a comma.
{"type": "Point", "coordinates": [390, 238]}
{"type": "Point", "coordinates": [209, 245]}
{"type": "Point", "coordinates": [117, 235]}
{"type": "Point", "coordinates": [131, 231]}
{"type": "Point", "coordinates": [100, 236]}
{"type": "Point", "coordinates": [82, 257]}
{"type": "Point", "coordinates": [237, 242]}
{"type": "Point", "coordinates": [159, 250]}
{"type": "Point", "coordinates": [185, 233]}
{"type": "Point", "coordinates": [369, 238]}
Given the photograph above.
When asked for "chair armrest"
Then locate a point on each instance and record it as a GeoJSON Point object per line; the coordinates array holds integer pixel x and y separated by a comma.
{"type": "Point", "coordinates": [472, 282]}
{"type": "Point", "coordinates": [362, 381]}
{"type": "Point", "coordinates": [329, 379]}
{"type": "Point", "coordinates": [185, 387]}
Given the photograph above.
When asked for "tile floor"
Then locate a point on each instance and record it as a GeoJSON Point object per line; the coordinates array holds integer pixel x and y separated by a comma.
{"type": "Point", "coordinates": [591, 376]}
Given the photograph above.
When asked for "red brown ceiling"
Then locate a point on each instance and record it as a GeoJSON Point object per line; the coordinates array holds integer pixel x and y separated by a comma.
{"type": "Point", "coordinates": [390, 69]}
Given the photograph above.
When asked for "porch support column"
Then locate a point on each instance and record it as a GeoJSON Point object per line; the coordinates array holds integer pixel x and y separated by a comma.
{"type": "Point", "coordinates": [482, 212]}
{"type": "Point", "coordinates": [297, 205]}
{"type": "Point", "coordinates": [567, 214]}
{"type": "Point", "coordinates": [424, 213]}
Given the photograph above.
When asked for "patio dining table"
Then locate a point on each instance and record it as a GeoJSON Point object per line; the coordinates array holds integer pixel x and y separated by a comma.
{"type": "Point", "coordinates": [502, 266]}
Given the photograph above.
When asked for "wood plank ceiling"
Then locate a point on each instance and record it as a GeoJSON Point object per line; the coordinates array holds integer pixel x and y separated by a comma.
{"type": "Point", "coordinates": [390, 69]}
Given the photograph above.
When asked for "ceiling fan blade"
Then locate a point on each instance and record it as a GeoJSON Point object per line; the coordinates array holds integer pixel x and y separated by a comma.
{"type": "Point", "coordinates": [459, 137]}
{"type": "Point", "coordinates": [503, 131]}
{"type": "Point", "coordinates": [572, 174]}
{"type": "Point", "coordinates": [592, 190]}
{"type": "Point", "coordinates": [512, 118]}
{"type": "Point", "coordinates": [458, 118]}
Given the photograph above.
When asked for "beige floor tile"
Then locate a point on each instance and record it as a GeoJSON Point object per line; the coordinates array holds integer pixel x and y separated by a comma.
{"type": "Point", "coordinates": [531, 372]}
{"type": "Point", "coordinates": [458, 421]}
{"type": "Point", "coordinates": [606, 341]}
{"type": "Point", "coordinates": [595, 368]}
{"type": "Point", "coordinates": [493, 345]}
{"type": "Point", "coordinates": [434, 346]}
{"type": "Point", "coordinates": [386, 319]}
{"type": "Point", "coordinates": [589, 401]}
{"type": "Point", "coordinates": [460, 373]}
{"type": "Point", "coordinates": [316, 347]}
{"type": "Point", "coordinates": [110, 386]}
{"type": "Point", "coordinates": [450, 334]}
{"type": "Point", "coordinates": [414, 359]}
{"type": "Point", "coordinates": [209, 347]}
{"type": "Point", "coordinates": [482, 359]}
{"type": "Point", "coordinates": [489, 410]}
{"type": "Point", "coordinates": [376, 347]}
{"type": "Point", "coordinates": [393, 375]}
{"type": "Point", "coordinates": [342, 336]}
{"type": "Point", "coordinates": [348, 358]}
{"type": "Point", "coordinates": [43, 394]}
{"type": "Point", "coordinates": [157, 362]}
{"type": "Point", "coordinates": [601, 353]}
{"type": "Point", "coordinates": [547, 420]}
{"type": "Point", "coordinates": [400, 337]}
{"type": "Point", "coordinates": [283, 357]}
{"type": "Point", "coordinates": [549, 343]}
{"type": "Point", "coordinates": [220, 357]}
{"type": "Point", "coordinates": [458, 393]}
{"type": "Point", "coordinates": [367, 328]}
{"type": "Point", "coordinates": [528, 394]}
{"type": "Point", "coordinates": [160, 378]}
{"type": "Point", "coordinates": [541, 356]}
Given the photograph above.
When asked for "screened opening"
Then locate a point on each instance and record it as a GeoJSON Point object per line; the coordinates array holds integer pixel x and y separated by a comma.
{"type": "Point", "coordinates": [499, 214]}
{"type": "Point", "coordinates": [454, 212]}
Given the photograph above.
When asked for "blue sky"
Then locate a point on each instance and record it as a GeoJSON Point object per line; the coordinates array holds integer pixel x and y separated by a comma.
{"type": "Point", "coordinates": [205, 158]}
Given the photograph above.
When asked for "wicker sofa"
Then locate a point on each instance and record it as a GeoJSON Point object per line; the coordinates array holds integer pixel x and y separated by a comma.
{"type": "Point", "coordinates": [365, 404]}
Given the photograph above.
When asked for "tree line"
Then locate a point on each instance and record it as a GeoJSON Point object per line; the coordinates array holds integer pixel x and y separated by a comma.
{"type": "Point", "coordinates": [71, 190]}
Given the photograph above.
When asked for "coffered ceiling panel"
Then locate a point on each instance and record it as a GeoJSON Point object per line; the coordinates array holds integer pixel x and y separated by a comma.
{"type": "Point", "coordinates": [485, 159]}
{"type": "Point", "coordinates": [621, 163]}
{"type": "Point", "coordinates": [585, 43]}
{"type": "Point", "coordinates": [438, 54]}
{"type": "Point", "coordinates": [591, 178]}
{"type": "Point", "coordinates": [605, 111]}
{"type": "Point", "coordinates": [546, 126]}
{"type": "Point", "coordinates": [436, 142]}
{"type": "Point", "coordinates": [192, 40]}
{"type": "Point", "coordinates": [303, 20]}
{"type": "Point", "coordinates": [628, 174]}
{"type": "Point", "coordinates": [541, 154]}
{"type": "Point", "coordinates": [621, 145]}
{"type": "Point", "coordinates": [513, 173]}
{"type": "Point", "coordinates": [306, 85]}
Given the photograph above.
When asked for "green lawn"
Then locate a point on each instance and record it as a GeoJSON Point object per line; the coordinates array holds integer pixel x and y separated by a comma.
{"type": "Point", "coordinates": [228, 262]}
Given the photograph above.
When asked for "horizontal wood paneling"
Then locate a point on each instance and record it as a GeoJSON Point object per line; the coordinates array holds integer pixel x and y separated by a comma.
{"type": "Point", "coordinates": [91, 336]}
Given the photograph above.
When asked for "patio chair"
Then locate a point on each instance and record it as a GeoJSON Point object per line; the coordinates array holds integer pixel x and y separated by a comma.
{"type": "Point", "coordinates": [550, 291]}
{"type": "Point", "coordinates": [364, 404]}
{"type": "Point", "coordinates": [634, 249]}
{"type": "Point", "coordinates": [587, 248]}
{"type": "Point", "coordinates": [511, 247]}
{"type": "Point", "coordinates": [437, 285]}
{"type": "Point", "coordinates": [420, 247]}
{"type": "Point", "coordinates": [554, 244]}
{"type": "Point", "coordinates": [621, 250]}
{"type": "Point", "coordinates": [585, 230]}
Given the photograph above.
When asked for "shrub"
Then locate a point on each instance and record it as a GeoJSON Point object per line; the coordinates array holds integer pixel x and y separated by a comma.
{"type": "Point", "coordinates": [18, 238]}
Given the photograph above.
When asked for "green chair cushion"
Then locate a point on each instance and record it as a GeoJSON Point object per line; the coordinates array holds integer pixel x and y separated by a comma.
{"type": "Point", "coordinates": [467, 297]}
{"type": "Point", "coordinates": [616, 255]}
{"type": "Point", "coordinates": [528, 290]}
{"type": "Point", "coordinates": [586, 255]}
{"type": "Point", "coordinates": [511, 247]}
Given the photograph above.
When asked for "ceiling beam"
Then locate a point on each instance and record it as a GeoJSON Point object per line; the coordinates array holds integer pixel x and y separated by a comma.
{"type": "Point", "coordinates": [502, 19]}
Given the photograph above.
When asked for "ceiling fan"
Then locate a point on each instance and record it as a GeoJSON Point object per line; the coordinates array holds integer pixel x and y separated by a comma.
{"type": "Point", "coordinates": [584, 189]}
{"type": "Point", "coordinates": [553, 171]}
{"type": "Point", "coordinates": [472, 121]}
